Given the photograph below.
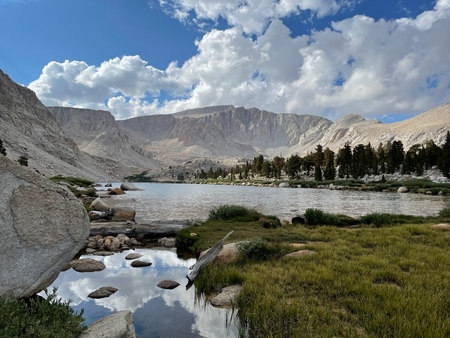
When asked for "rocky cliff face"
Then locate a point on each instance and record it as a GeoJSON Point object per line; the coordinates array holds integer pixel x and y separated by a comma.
{"type": "Point", "coordinates": [225, 131]}
{"type": "Point", "coordinates": [28, 128]}
{"type": "Point", "coordinates": [97, 133]}
{"type": "Point", "coordinates": [430, 125]}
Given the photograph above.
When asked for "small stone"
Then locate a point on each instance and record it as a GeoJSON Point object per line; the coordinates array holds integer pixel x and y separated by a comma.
{"type": "Point", "coordinates": [90, 250]}
{"type": "Point", "coordinates": [133, 255]}
{"type": "Point", "coordinates": [168, 284]}
{"type": "Point", "coordinates": [140, 264]}
{"type": "Point", "coordinates": [301, 253]}
{"type": "Point", "coordinates": [103, 292]}
{"type": "Point", "coordinates": [87, 265]}
{"type": "Point", "coordinates": [444, 226]}
{"type": "Point", "coordinates": [103, 253]}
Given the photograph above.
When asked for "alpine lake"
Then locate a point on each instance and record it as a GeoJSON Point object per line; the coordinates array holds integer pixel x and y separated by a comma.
{"type": "Point", "coordinates": [183, 312]}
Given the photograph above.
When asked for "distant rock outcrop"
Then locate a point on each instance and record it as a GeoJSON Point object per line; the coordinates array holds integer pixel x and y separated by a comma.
{"type": "Point", "coordinates": [42, 226]}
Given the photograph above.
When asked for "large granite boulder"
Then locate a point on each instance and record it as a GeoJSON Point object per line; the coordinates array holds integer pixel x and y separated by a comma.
{"type": "Point", "coordinates": [42, 227]}
{"type": "Point", "coordinates": [117, 325]}
{"type": "Point", "coordinates": [128, 186]}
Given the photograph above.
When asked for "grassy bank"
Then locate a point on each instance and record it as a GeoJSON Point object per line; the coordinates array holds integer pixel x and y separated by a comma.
{"type": "Point", "coordinates": [383, 280]}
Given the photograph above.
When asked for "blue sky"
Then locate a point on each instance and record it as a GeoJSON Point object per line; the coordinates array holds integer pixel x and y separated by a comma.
{"type": "Point", "coordinates": [383, 59]}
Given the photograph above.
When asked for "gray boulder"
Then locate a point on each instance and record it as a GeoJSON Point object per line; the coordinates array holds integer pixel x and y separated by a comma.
{"type": "Point", "coordinates": [87, 265]}
{"type": "Point", "coordinates": [99, 205]}
{"type": "Point", "coordinates": [128, 186]}
{"type": "Point", "coordinates": [402, 190]}
{"type": "Point", "coordinates": [42, 227]}
{"type": "Point", "coordinates": [122, 214]}
{"type": "Point", "coordinates": [118, 325]}
{"type": "Point", "coordinates": [140, 264]}
{"type": "Point", "coordinates": [227, 297]}
{"type": "Point", "coordinates": [168, 284]}
{"type": "Point", "coordinates": [133, 255]}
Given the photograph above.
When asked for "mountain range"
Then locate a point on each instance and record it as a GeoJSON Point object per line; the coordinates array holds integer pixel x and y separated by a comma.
{"type": "Point", "coordinates": [92, 144]}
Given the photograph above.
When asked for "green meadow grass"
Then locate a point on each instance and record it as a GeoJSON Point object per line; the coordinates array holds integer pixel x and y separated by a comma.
{"type": "Point", "coordinates": [368, 281]}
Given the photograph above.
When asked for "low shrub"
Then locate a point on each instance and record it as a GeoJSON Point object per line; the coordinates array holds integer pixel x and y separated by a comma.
{"type": "Point", "coordinates": [377, 219]}
{"type": "Point", "coordinates": [233, 213]}
{"type": "Point", "coordinates": [81, 182]}
{"type": "Point", "coordinates": [185, 239]}
{"type": "Point", "coordinates": [269, 222]}
{"type": "Point", "coordinates": [257, 249]}
{"type": "Point", "coordinates": [37, 317]}
{"type": "Point", "coordinates": [316, 216]}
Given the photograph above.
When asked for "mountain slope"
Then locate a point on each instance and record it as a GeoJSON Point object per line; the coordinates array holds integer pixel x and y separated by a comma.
{"type": "Point", "coordinates": [28, 128]}
{"type": "Point", "coordinates": [97, 133]}
{"type": "Point", "coordinates": [430, 125]}
{"type": "Point", "coordinates": [233, 132]}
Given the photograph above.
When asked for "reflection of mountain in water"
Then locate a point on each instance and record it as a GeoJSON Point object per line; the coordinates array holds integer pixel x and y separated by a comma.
{"type": "Point", "coordinates": [156, 312]}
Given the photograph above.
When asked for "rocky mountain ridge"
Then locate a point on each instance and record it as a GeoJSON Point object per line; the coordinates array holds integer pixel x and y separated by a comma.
{"type": "Point", "coordinates": [28, 129]}
{"type": "Point", "coordinates": [92, 144]}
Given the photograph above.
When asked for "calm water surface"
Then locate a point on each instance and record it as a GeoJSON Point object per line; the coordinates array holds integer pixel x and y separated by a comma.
{"type": "Point", "coordinates": [157, 201]}
{"type": "Point", "coordinates": [156, 312]}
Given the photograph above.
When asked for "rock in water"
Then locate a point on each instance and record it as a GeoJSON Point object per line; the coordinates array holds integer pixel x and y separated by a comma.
{"type": "Point", "coordinates": [168, 284]}
{"type": "Point", "coordinates": [87, 265]}
{"type": "Point", "coordinates": [140, 264]}
{"type": "Point", "coordinates": [103, 292]}
{"type": "Point", "coordinates": [128, 186]}
{"type": "Point", "coordinates": [42, 226]}
{"type": "Point", "coordinates": [118, 325]}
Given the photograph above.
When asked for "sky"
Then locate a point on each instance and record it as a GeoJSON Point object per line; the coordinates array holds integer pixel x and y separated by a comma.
{"type": "Point", "coordinates": [383, 59]}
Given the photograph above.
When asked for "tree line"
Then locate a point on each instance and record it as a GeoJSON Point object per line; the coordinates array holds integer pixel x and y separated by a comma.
{"type": "Point", "coordinates": [325, 164]}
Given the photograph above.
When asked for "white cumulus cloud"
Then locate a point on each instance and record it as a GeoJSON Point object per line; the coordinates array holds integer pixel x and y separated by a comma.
{"type": "Point", "coordinates": [358, 65]}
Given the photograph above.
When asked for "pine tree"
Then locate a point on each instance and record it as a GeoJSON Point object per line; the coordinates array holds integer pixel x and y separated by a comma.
{"type": "Point", "coordinates": [344, 160]}
{"type": "Point", "coordinates": [317, 173]}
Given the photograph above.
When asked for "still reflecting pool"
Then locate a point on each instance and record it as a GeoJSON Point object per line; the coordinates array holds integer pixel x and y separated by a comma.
{"type": "Point", "coordinates": [156, 312]}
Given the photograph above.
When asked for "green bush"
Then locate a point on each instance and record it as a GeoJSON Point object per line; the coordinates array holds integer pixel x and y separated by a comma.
{"type": "Point", "coordinates": [377, 219]}
{"type": "Point", "coordinates": [233, 213]}
{"type": "Point", "coordinates": [269, 222]}
{"type": "Point", "coordinates": [316, 216]}
{"type": "Point", "coordinates": [39, 318]}
{"type": "Point", "coordinates": [257, 249]}
{"type": "Point", "coordinates": [81, 182]}
{"type": "Point", "coordinates": [185, 239]}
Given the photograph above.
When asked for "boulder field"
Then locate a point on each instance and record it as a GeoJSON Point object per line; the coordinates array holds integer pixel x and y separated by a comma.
{"type": "Point", "coordinates": [42, 226]}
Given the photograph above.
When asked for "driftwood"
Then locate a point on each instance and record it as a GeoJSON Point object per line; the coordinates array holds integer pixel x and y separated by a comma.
{"type": "Point", "coordinates": [208, 257]}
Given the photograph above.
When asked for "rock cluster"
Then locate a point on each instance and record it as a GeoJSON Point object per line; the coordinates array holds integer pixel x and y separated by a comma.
{"type": "Point", "coordinates": [110, 243]}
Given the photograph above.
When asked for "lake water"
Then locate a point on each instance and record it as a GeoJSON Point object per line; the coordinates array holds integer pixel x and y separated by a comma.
{"type": "Point", "coordinates": [156, 312]}
{"type": "Point", "coordinates": [157, 201]}
{"type": "Point", "coordinates": [179, 312]}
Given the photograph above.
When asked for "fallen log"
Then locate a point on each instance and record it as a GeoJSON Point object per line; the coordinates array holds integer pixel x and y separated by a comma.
{"type": "Point", "coordinates": [208, 257]}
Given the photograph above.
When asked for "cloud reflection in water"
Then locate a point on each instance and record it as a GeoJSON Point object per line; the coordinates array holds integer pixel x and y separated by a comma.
{"type": "Point", "coordinates": [156, 312]}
